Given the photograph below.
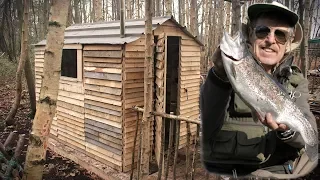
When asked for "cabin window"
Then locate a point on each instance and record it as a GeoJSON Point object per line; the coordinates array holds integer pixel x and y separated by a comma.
{"type": "Point", "coordinates": [69, 63]}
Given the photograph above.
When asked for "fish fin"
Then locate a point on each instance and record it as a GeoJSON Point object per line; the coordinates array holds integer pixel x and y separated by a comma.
{"type": "Point", "coordinates": [312, 152]}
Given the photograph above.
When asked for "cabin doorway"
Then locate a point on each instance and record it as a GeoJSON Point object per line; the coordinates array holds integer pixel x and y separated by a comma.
{"type": "Point", "coordinates": [167, 60]}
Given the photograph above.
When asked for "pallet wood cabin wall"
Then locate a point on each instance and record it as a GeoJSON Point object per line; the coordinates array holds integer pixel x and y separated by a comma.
{"type": "Point", "coordinates": [94, 112]}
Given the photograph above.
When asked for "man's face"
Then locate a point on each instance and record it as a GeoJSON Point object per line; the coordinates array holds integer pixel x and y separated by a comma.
{"type": "Point", "coordinates": [268, 49]}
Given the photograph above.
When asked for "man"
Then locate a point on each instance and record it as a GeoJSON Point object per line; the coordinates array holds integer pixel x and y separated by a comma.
{"type": "Point", "coordinates": [232, 143]}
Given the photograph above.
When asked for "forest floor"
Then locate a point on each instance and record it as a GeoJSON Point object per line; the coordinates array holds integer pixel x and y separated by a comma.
{"type": "Point", "coordinates": [60, 168]}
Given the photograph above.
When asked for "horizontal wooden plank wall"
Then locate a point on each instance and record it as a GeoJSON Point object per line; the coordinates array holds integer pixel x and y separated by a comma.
{"type": "Point", "coordinates": [133, 94]}
{"type": "Point", "coordinates": [189, 77]}
{"type": "Point", "coordinates": [68, 124]}
{"type": "Point", "coordinates": [103, 103]}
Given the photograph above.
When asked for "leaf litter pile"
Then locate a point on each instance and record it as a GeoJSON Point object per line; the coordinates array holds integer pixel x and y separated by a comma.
{"type": "Point", "coordinates": [56, 166]}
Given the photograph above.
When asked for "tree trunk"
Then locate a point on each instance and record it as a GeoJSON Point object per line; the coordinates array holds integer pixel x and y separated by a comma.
{"type": "Point", "coordinates": [46, 7]}
{"type": "Point", "coordinates": [157, 5]}
{"type": "Point", "coordinates": [286, 3]}
{"type": "Point", "coordinates": [228, 12]}
{"type": "Point", "coordinates": [168, 7]}
{"type": "Point", "coordinates": [23, 55]}
{"type": "Point", "coordinates": [31, 86]}
{"type": "Point", "coordinates": [236, 17]}
{"type": "Point", "coordinates": [214, 21]}
{"type": "Point", "coordinates": [46, 106]}
{"type": "Point", "coordinates": [118, 9]}
{"type": "Point", "coordinates": [304, 54]}
{"type": "Point", "coordinates": [193, 23]}
{"type": "Point", "coordinates": [183, 12]}
{"type": "Point", "coordinates": [85, 18]}
{"type": "Point", "coordinates": [70, 17]}
{"type": "Point", "coordinates": [221, 21]}
{"type": "Point", "coordinates": [148, 91]}
{"type": "Point", "coordinates": [77, 19]}
{"type": "Point", "coordinates": [97, 10]}
{"type": "Point", "coordinates": [122, 19]}
{"type": "Point", "coordinates": [187, 10]}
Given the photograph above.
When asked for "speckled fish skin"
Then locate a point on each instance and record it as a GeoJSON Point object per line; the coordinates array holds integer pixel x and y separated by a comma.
{"type": "Point", "coordinates": [261, 93]}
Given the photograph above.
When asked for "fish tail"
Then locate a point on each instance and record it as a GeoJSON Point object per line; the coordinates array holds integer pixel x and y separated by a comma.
{"type": "Point", "coordinates": [312, 152]}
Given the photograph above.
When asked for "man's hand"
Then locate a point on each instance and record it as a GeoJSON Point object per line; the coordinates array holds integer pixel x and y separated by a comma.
{"type": "Point", "coordinates": [271, 123]}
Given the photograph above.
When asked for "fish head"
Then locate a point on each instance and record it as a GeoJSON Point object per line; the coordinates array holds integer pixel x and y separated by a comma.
{"type": "Point", "coordinates": [235, 48]}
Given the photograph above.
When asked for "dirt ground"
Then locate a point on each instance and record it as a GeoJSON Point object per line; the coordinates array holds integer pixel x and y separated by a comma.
{"type": "Point", "coordinates": [60, 168]}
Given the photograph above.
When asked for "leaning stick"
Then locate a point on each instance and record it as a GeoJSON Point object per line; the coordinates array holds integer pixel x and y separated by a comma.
{"type": "Point", "coordinates": [134, 146]}
{"type": "Point", "coordinates": [10, 138]}
{"type": "Point", "coordinates": [19, 147]}
{"type": "Point", "coordinates": [176, 148]}
{"type": "Point", "coordinates": [169, 116]}
{"type": "Point", "coordinates": [170, 147]}
{"type": "Point", "coordinates": [187, 150]}
{"type": "Point", "coordinates": [139, 150]}
{"type": "Point", "coordinates": [194, 153]}
{"type": "Point", "coordinates": [162, 148]}
{"type": "Point", "coordinates": [4, 152]}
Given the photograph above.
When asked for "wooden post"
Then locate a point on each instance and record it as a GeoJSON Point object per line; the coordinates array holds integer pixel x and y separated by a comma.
{"type": "Point", "coordinates": [148, 91]}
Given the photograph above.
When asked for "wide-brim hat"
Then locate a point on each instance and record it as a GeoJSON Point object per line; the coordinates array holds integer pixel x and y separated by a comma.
{"type": "Point", "coordinates": [293, 18]}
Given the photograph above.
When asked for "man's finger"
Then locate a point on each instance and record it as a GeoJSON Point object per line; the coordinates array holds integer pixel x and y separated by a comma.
{"type": "Point", "coordinates": [283, 127]}
{"type": "Point", "coordinates": [270, 122]}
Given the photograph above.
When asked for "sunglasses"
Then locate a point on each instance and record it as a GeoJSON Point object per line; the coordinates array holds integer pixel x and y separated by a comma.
{"type": "Point", "coordinates": [262, 32]}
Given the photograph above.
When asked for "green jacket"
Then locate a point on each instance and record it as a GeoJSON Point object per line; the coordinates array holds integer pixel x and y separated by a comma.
{"type": "Point", "coordinates": [231, 141]}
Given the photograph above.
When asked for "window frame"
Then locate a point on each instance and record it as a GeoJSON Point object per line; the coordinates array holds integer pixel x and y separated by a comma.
{"type": "Point", "coordinates": [79, 48]}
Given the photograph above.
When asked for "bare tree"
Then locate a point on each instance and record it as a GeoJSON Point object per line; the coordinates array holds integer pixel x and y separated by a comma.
{"type": "Point", "coordinates": [236, 17]}
{"type": "Point", "coordinates": [168, 7]}
{"type": "Point", "coordinates": [97, 8]}
{"type": "Point", "coordinates": [228, 12]}
{"type": "Point", "coordinates": [157, 5]}
{"type": "Point", "coordinates": [148, 92]}
{"type": "Point", "coordinates": [46, 107]}
{"type": "Point", "coordinates": [23, 56]}
{"type": "Point", "coordinates": [76, 11]}
{"type": "Point", "coordinates": [193, 23]}
{"type": "Point", "coordinates": [304, 21]}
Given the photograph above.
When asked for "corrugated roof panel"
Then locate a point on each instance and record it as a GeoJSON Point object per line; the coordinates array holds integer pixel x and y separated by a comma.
{"type": "Point", "coordinates": [109, 32]}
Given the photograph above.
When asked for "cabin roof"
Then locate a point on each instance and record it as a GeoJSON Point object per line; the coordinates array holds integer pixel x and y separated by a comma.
{"type": "Point", "coordinates": [109, 32]}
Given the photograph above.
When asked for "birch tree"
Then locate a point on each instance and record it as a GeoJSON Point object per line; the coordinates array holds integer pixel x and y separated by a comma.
{"type": "Point", "coordinates": [46, 106]}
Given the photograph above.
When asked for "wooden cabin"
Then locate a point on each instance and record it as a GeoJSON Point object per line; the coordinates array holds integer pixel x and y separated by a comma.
{"type": "Point", "coordinates": [102, 79]}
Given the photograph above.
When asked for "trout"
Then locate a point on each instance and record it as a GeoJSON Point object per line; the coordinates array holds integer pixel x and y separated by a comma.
{"type": "Point", "coordinates": [261, 93]}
